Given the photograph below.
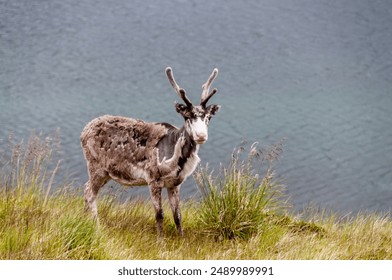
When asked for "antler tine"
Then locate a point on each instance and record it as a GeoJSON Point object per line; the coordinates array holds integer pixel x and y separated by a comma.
{"type": "Point", "coordinates": [203, 102]}
{"type": "Point", "coordinates": [180, 91]}
{"type": "Point", "coordinates": [206, 95]}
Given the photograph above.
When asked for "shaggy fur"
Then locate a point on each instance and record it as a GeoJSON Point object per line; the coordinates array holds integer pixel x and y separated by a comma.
{"type": "Point", "coordinates": [119, 146]}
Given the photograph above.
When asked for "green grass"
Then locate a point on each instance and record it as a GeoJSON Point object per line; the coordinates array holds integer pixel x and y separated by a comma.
{"type": "Point", "coordinates": [242, 214]}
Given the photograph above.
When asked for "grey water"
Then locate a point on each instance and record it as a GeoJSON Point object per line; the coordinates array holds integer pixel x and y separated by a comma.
{"type": "Point", "coordinates": [317, 74]}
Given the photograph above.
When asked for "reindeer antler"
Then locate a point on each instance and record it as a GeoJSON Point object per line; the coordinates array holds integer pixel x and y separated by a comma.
{"type": "Point", "coordinates": [180, 91]}
{"type": "Point", "coordinates": [206, 95]}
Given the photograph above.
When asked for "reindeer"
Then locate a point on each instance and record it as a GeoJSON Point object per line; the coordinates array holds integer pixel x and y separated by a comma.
{"type": "Point", "coordinates": [133, 152]}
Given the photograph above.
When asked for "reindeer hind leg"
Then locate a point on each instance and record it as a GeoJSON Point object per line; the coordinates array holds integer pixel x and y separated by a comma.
{"type": "Point", "coordinates": [91, 189]}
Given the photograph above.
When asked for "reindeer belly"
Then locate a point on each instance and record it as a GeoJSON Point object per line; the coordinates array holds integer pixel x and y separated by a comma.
{"type": "Point", "coordinates": [133, 176]}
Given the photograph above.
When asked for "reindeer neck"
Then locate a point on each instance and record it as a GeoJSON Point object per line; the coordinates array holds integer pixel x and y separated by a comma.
{"type": "Point", "coordinates": [189, 153]}
{"type": "Point", "coordinates": [190, 145]}
{"type": "Point", "coordinates": [167, 143]}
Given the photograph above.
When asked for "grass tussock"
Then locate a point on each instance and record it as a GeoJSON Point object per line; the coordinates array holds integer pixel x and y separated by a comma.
{"type": "Point", "coordinates": [236, 201]}
{"type": "Point", "coordinates": [242, 214]}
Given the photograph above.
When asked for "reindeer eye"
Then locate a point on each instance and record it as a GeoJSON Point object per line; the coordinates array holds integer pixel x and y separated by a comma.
{"type": "Point", "coordinates": [189, 115]}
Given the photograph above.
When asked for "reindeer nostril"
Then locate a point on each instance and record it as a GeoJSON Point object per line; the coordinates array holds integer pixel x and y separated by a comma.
{"type": "Point", "coordinates": [201, 135]}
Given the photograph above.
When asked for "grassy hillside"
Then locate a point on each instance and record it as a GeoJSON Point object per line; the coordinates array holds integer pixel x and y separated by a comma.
{"type": "Point", "coordinates": [242, 214]}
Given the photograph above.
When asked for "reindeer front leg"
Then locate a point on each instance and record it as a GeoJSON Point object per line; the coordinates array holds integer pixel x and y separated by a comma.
{"type": "Point", "coordinates": [174, 200]}
{"type": "Point", "coordinates": [156, 198]}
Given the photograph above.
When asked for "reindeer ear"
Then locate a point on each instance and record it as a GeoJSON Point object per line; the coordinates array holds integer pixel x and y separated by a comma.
{"type": "Point", "coordinates": [181, 108]}
{"type": "Point", "coordinates": [212, 109]}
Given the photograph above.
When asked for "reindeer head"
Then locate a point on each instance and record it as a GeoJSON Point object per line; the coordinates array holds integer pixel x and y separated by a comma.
{"type": "Point", "coordinates": [196, 117]}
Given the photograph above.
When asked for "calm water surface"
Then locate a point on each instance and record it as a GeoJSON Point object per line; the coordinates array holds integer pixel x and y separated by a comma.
{"type": "Point", "coordinates": [315, 73]}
